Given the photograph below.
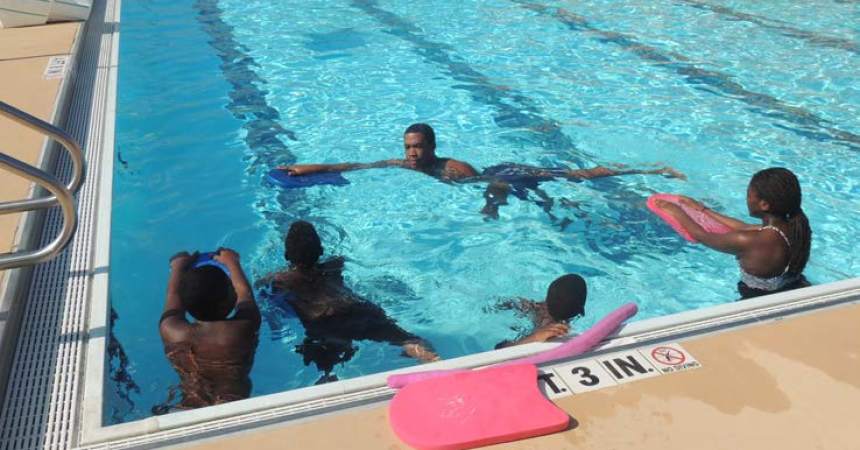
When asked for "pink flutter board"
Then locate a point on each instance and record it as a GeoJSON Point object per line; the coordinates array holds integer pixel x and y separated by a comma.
{"type": "Point", "coordinates": [456, 409]}
{"type": "Point", "coordinates": [575, 346]}
{"type": "Point", "coordinates": [474, 408]}
{"type": "Point", "coordinates": [702, 218]}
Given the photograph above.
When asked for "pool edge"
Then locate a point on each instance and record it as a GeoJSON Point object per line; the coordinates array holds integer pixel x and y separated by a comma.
{"type": "Point", "coordinates": [310, 401]}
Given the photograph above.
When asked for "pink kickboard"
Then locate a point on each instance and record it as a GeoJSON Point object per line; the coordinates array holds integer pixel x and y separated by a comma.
{"type": "Point", "coordinates": [577, 345]}
{"type": "Point", "coordinates": [703, 219]}
{"type": "Point", "coordinates": [473, 409]}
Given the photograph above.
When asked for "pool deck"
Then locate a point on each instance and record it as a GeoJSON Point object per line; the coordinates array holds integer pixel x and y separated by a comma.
{"type": "Point", "coordinates": [24, 56]}
{"type": "Point", "coordinates": [790, 383]}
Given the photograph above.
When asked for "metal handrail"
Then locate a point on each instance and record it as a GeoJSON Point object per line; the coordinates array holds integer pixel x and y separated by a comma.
{"type": "Point", "coordinates": [62, 195]}
{"type": "Point", "coordinates": [56, 134]}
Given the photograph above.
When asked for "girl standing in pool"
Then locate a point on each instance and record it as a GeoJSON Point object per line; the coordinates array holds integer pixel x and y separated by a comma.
{"type": "Point", "coordinates": [772, 255]}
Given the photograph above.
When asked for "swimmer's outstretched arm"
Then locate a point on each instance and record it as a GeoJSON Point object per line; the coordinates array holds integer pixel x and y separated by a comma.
{"type": "Point", "coordinates": [730, 222]}
{"type": "Point", "coordinates": [733, 242]}
{"type": "Point", "coordinates": [306, 169]}
{"type": "Point", "coordinates": [276, 279]}
{"type": "Point", "coordinates": [541, 334]}
{"type": "Point", "coordinates": [420, 351]}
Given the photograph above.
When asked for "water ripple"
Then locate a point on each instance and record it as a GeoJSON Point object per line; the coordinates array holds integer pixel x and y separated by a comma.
{"type": "Point", "coordinates": [799, 120]}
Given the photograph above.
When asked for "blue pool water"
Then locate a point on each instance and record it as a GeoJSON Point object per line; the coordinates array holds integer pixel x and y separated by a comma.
{"type": "Point", "coordinates": [213, 93]}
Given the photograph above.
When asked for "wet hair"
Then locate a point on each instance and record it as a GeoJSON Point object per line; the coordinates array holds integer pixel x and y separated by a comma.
{"type": "Point", "coordinates": [425, 130]}
{"type": "Point", "coordinates": [780, 188]}
{"type": "Point", "coordinates": [565, 297]}
{"type": "Point", "coordinates": [302, 246]}
{"type": "Point", "coordinates": [207, 293]}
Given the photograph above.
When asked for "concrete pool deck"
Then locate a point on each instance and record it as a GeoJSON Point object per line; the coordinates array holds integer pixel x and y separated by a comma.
{"type": "Point", "coordinates": [789, 383]}
{"type": "Point", "coordinates": [24, 57]}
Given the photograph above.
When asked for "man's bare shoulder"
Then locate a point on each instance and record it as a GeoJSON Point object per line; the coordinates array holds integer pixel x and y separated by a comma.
{"type": "Point", "coordinates": [334, 264]}
{"type": "Point", "coordinates": [175, 329]}
{"type": "Point", "coordinates": [455, 169]}
{"type": "Point", "coordinates": [285, 279]}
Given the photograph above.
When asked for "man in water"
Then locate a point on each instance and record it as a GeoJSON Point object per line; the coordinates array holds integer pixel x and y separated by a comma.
{"type": "Point", "coordinates": [565, 300]}
{"type": "Point", "coordinates": [213, 355]}
{"type": "Point", "coordinates": [419, 144]}
{"type": "Point", "coordinates": [333, 315]}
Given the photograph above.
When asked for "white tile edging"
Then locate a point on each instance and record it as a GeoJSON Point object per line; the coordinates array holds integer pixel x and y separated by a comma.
{"type": "Point", "coordinates": [98, 321]}
{"type": "Point", "coordinates": [730, 312]}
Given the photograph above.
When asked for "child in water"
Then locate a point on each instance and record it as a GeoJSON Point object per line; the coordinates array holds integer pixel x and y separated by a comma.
{"type": "Point", "coordinates": [771, 255]}
{"type": "Point", "coordinates": [565, 300]}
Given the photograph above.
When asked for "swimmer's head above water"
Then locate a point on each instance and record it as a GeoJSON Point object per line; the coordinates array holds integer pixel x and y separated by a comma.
{"type": "Point", "coordinates": [303, 247]}
{"type": "Point", "coordinates": [775, 192]}
{"type": "Point", "coordinates": [207, 293]}
{"type": "Point", "coordinates": [419, 146]}
{"type": "Point", "coordinates": [565, 298]}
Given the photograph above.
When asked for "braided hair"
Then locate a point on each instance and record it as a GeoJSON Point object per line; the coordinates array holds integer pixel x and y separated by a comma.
{"type": "Point", "coordinates": [781, 190]}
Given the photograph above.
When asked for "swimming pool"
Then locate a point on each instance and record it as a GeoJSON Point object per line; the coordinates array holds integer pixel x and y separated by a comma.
{"type": "Point", "coordinates": [214, 93]}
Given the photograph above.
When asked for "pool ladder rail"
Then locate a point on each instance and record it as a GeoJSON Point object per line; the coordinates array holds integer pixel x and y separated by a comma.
{"type": "Point", "coordinates": [60, 194]}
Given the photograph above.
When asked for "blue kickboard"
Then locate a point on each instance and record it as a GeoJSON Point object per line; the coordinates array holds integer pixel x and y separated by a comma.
{"type": "Point", "coordinates": [282, 179]}
{"type": "Point", "coordinates": [207, 259]}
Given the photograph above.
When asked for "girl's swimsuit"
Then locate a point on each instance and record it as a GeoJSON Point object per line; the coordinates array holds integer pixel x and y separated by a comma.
{"type": "Point", "coordinates": [754, 286]}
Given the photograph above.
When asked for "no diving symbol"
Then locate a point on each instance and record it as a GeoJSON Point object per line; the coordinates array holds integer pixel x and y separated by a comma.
{"type": "Point", "coordinates": [668, 356]}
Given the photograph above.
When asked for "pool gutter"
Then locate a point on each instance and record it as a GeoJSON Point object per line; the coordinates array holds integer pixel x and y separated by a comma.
{"type": "Point", "coordinates": [98, 324]}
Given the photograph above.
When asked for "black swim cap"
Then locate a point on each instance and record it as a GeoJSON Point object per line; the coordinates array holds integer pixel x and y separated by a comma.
{"type": "Point", "coordinates": [565, 297]}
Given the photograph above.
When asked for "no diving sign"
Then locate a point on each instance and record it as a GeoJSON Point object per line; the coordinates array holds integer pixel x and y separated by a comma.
{"type": "Point", "coordinates": [612, 369]}
{"type": "Point", "coordinates": [669, 358]}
